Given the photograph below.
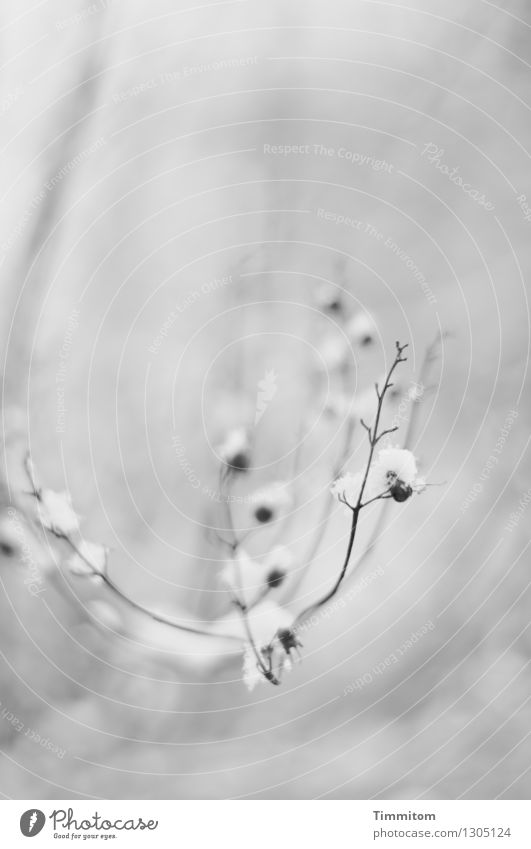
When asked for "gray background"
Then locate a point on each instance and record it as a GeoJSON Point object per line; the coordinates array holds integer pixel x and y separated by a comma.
{"type": "Point", "coordinates": [133, 173]}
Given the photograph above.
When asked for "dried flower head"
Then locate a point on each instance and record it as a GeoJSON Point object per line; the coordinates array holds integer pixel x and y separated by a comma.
{"type": "Point", "coordinates": [393, 475]}
{"type": "Point", "coordinates": [395, 471]}
{"type": "Point", "coordinates": [288, 640]}
{"type": "Point", "coordinates": [266, 621]}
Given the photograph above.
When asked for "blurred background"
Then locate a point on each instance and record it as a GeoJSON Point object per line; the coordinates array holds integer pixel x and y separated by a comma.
{"type": "Point", "coordinates": [180, 181]}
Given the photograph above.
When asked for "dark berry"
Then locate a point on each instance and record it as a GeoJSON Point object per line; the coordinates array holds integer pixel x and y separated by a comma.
{"type": "Point", "coordinates": [400, 491]}
{"type": "Point", "coordinates": [239, 462]}
{"type": "Point", "coordinates": [275, 578]}
{"type": "Point", "coordinates": [263, 514]}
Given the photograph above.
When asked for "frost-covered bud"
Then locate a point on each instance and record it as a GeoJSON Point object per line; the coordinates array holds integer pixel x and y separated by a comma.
{"type": "Point", "coordinates": [235, 450]}
{"type": "Point", "coordinates": [415, 392]}
{"type": "Point", "coordinates": [270, 501]}
{"type": "Point", "coordinates": [275, 578]}
{"type": "Point", "coordinates": [277, 564]}
{"type": "Point", "coordinates": [56, 512]}
{"type": "Point", "coordinates": [361, 329]}
{"type": "Point", "coordinates": [392, 475]}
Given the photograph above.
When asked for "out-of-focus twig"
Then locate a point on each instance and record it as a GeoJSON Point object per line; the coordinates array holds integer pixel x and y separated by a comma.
{"type": "Point", "coordinates": [109, 583]}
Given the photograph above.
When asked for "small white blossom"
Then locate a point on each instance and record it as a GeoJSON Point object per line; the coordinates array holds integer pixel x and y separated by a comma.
{"type": "Point", "coordinates": [241, 574]}
{"type": "Point", "coordinates": [361, 329]}
{"type": "Point", "coordinates": [393, 473]}
{"type": "Point", "coordinates": [277, 564]}
{"type": "Point", "coordinates": [92, 552]}
{"type": "Point", "coordinates": [56, 512]}
{"type": "Point", "coordinates": [398, 462]}
{"type": "Point", "coordinates": [235, 450]}
{"type": "Point", "coordinates": [271, 500]}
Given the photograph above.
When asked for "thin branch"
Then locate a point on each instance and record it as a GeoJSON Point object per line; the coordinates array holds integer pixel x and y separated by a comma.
{"type": "Point", "coordinates": [385, 433]}
{"type": "Point", "coordinates": [157, 617]}
{"type": "Point", "coordinates": [429, 358]}
{"type": "Point", "coordinates": [240, 603]}
{"type": "Point", "coordinates": [359, 504]}
{"type": "Point", "coordinates": [366, 426]}
{"type": "Point", "coordinates": [322, 525]}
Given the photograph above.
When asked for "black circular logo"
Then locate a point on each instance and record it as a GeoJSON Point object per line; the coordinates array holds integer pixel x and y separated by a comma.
{"type": "Point", "coordinates": [32, 822]}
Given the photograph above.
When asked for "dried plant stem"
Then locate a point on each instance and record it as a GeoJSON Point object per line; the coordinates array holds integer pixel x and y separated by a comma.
{"type": "Point", "coordinates": [374, 437]}
{"type": "Point", "coordinates": [322, 525]}
{"type": "Point", "coordinates": [135, 605]}
{"type": "Point", "coordinates": [424, 373]}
